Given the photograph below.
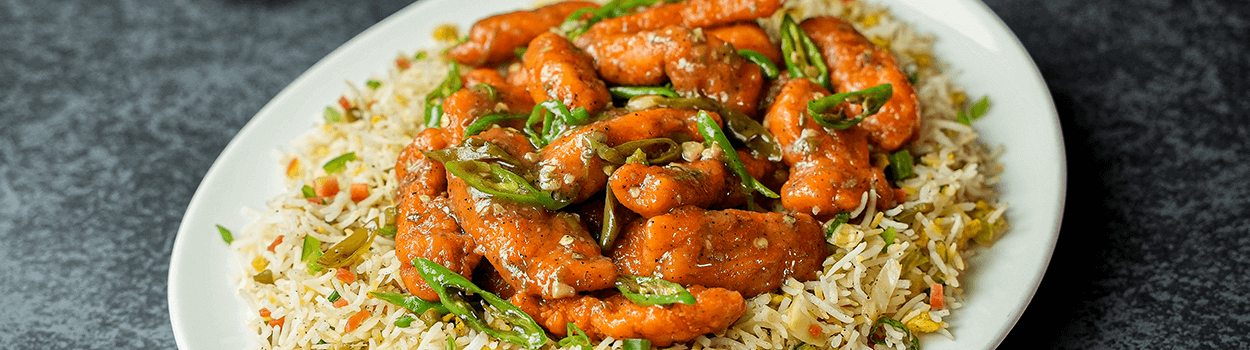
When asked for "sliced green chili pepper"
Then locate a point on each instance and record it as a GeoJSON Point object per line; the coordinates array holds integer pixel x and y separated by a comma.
{"type": "Point", "coordinates": [412, 303]}
{"type": "Point", "coordinates": [636, 344]}
{"type": "Point", "coordinates": [611, 9]}
{"type": "Point", "coordinates": [497, 181]}
{"type": "Point", "coordinates": [827, 111]}
{"type": "Point", "coordinates": [766, 65]}
{"type": "Point", "coordinates": [611, 223]}
{"type": "Point", "coordinates": [877, 332]}
{"type": "Point", "coordinates": [635, 91]}
{"type": "Point", "coordinates": [348, 250]}
{"type": "Point", "coordinates": [832, 226]}
{"type": "Point", "coordinates": [479, 150]}
{"type": "Point", "coordinates": [575, 337]}
{"type": "Point", "coordinates": [225, 234]}
{"type": "Point", "coordinates": [339, 163]}
{"type": "Point", "coordinates": [802, 57]}
{"type": "Point", "coordinates": [265, 277]}
{"type": "Point", "coordinates": [485, 122]}
{"type": "Point", "coordinates": [618, 155]}
{"type": "Point", "coordinates": [453, 289]}
{"type": "Point", "coordinates": [753, 134]}
{"type": "Point", "coordinates": [556, 118]}
{"type": "Point", "coordinates": [901, 165]}
{"type": "Point", "coordinates": [648, 291]}
{"type": "Point", "coordinates": [713, 136]}
{"type": "Point", "coordinates": [434, 101]}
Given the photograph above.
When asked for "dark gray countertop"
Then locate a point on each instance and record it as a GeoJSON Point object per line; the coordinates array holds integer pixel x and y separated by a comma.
{"type": "Point", "coordinates": [112, 111]}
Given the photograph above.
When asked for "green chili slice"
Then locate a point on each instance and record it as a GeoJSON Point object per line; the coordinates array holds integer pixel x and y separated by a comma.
{"type": "Point", "coordinates": [715, 137]}
{"type": "Point", "coordinates": [769, 69]}
{"type": "Point", "coordinates": [829, 112]}
{"type": "Point", "coordinates": [332, 115]}
{"type": "Point", "coordinates": [412, 303]}
{"type": "Point", "coordinates": [265, 277]}
{"type": "Point", "coordinates": [555, 118]}
{"type": "Point", "coordinates": [611, 223]}
{"type": "Point", "coordinates": [225, 234]}
{"type": "Point", "coordinates": [339, 163]}
{"type": "Point", "coordinates": [802, 57]}
{"type": "Point", "coordinates": [575, 337]}
{"type": "Point", "coordinates": [901, 165]}
{"type": "Point", "coordinates": [349, 250]}
{"type": "Point", "coordinates": [453, 289]}
{"type": "Point", "coordinates": [648, 291]}
{"type": "Point", "coordinates": [611, 9]}
{"type": "Point", "coordinates": [628, 92]}
{"type": "Point", "coordinates": [877, 332]}
{"type": "Point", "coordinates": [434, 101]}
{"type": "Point", "coordinates": [752, 134]}
{"type": "Point", "coordinates": [499, 182]}
{"type": "Point", "coordinates": [655, 150]}
{"type": "Point", "coordinates": [636, 344]}
{"type": "Point", "coordinates": [485, 122]}
{"type": "Point", "coordinates": [478, 150]}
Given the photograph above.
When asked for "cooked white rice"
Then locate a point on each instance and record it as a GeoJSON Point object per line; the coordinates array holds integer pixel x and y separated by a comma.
{"type": "Point", "coordinates": [950, 202]}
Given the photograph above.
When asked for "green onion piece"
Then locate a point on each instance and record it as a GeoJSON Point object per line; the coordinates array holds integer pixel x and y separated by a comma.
{"type": "Point", "coordinates": [635, 91]}
{"type": "Point", "coordinates": [648, 291]}
{"type": "Point", "coordinates": [308, 191]}
{"type": "Point", "coordinates": [225, 234]}
{"type": "Point", "coordinates": [520, 51]}
{"type": "Point", "coordinates": [802, 57]}
{"type": "Point", "coordinates": [901, 165]}
{"type": "Point", "coordinates": [479, 150]}
{"type": "Point", "coordinates": [410, 302]}
{"type": "Point", "coordinates": [769, 69]}
{"type": "Point", "coordinates": [832, 226]}
{"type": "Point", "coordinates": [420, 55]}
{"type": "Point", "coordinates": [434, 101]}
{"type": "Point", "coordinates": [715, 137]}
{"type": "Point", "coordinates": [877, 336]}
{"type": "Point", "coordinates": [975, 112]}
{"type": "Point", "coordinates": [636, 344]}
{"type": "Point", "coordinates": [575, 337]}
{"type": "Point", "coordinates": [265, 277]}
{"type": "Point", "coordinates": [829, 113]}
{"type": "Point", "coordinates": [349, 250]}
{"type": "Point", "coordinates": [404, 321]}
{"type": "Point", "coordinates": [611, 223]}
{"type": "Point", "coordinates": [888, 236]}
{"type": "Point", "coordinates": [334, 296]}
{"type": "Point", "coordinates": [753, 134]}
{"type": "Point", "coordinates": [339, 163]}
{"type": "Point", "coordinates": [499, 182]}
{"type": "Point", "coordinates": [312, 266]}
{"type": "Point", "coordinates": [388, 230]}
{"type": "Point", "coordinates": [451, 343]}
{"type": "Point", "coordinates": [485, 122]}
{"type": "Point", "coordinates": [453, 289]}
{"type": "Point", "coordinates": [311, 246]}
{"type": "Point", "coordinates": [373, 84]}
{"type": "Point", "coordinates": [332, 115]}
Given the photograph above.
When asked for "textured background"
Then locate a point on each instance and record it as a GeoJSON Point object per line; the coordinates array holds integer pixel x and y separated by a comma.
{"type": "Point", "coordinates": [112, 111]}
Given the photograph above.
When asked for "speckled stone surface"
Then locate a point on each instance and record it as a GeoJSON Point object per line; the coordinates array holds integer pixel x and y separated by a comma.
{"type": "Point", "coordinates": [112, 111]}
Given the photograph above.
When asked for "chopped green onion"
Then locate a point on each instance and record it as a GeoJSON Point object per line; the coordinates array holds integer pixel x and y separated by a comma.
{"type": "Point", "coordinates": [499, 182]}
{"type": "Point", "coordinates": [404, 321]}
{"type": "Point", "coordinates": [803, 59]}
{"type": "Point", "coordinates": [713, 136]}
{"type": "Point", "coordinates": [635, 91]}
{"type": "Point", "coordinates": [339, 163]}
{"type": "Point", "coordinates": [412, 303]}
{"type": "Point", "coordinates": [451, 343]}
{"type": "Point", "coordinates": [485, 122]}
{"type": "Point", "coordinates": [373, 84]}
{"type": "Point", "coordinates": [901, 165]}
{"type": "Point", "coordinates": [311, 252]}
{"type": "Point", "coordinates": [829, 113]}
{"type": "Point", "coordinates": [877, 336]}
{"type": "Point", "coordinates": [648, 291]}
{"type": "Point", "coordinates": [420, 55]}
{"type": "Point", "coordinates": [225, 234]}
{"type": "Point", "coordinates": [308, 191]}
{"type": "Point", "coordinates": [832, 226]}
{"type": "Point", "coordinates": [636, 344]}
{"type": "Point", "coordinates": [888, 236]}
{"type": "Point", "coordinates": [575, 337]}
{"type": "Point", "coordinates": [388, 230]}
{"type": "Point", "coordinates": [975, 112]}
{"type": "Point", "coordinates": [767, 67]}
{"type": "Point", "coordinates": [434, 101]}
{"type": "Point", "coordinates": [332, 115]}
{"type": "Point", "coordinates": [334, 296]}
{"type": "Point", "coordinates": [453, 289]}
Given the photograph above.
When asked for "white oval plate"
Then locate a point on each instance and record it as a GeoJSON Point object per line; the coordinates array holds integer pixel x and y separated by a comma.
{"type": "Point", "coordinates": [207, 312]}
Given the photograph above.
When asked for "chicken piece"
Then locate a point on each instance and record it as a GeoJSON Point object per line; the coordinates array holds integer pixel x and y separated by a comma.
{"type": "Point", "coordinates": [418, 175]}
{"type": "Point", "coordinates": [748, 36]}
{"type": "Point", "coordinates": [536, 250]}
{"type": "Point", "coordinates": [829, 169]}
{"type": "Point", "coordinates": [748, 252]}
{"type": "Point", "coordinates": [855, 63]}
{"type": "Point", "coordinates": [690, 13]}
{"type": "Point", "coordinates": [714, 310]}
{"type": "Point", "coordinates": [558, 70]}
{"type": "Point", "coordinates": [697, 65]}
{"type": "Point", "coordinates": [569, 166]}
{"type": "Point", "coordinates": [496, 38]}
{"type": "Point", "coordinates": [463, 108]}
{"type": "Point", "coordinates": [654, 190]}
{"type": "Point", "coordinates": [510, 93]}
